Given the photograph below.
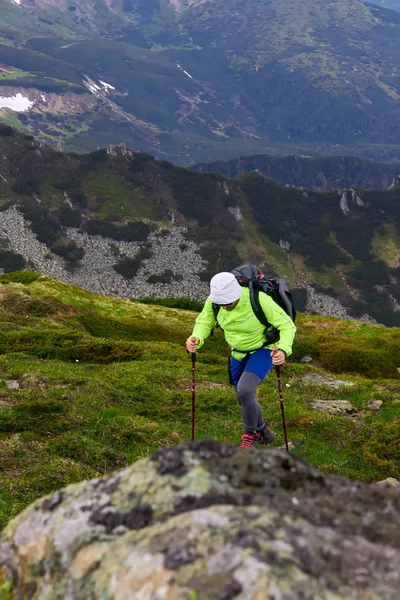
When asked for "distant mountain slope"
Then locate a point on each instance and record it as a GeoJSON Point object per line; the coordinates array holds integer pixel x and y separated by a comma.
{"type": "Point", "coordinates": [203, 80]}
{"type": "Point", "coordinates": [319, 173]}
{"type": "Point", "coordinates": [122, 223]}
{"type": "Point", "coordinates": [391, 4]}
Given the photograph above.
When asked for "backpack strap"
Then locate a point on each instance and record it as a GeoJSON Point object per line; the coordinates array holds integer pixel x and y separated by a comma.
{"type": "Point", "coordinates": [271, 333]}
{"type": "Point", "coordinates": [256, 306]}
{"type": "Point", "coordinates": [216, 310]}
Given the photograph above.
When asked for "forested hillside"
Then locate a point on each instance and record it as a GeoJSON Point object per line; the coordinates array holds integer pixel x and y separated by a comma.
{"type": "Point", "coordinates": [321, 173]}
{"type": "Point", "coordinates": [120, 222]}
{"type": "Point", "coordinates": [207, 80]}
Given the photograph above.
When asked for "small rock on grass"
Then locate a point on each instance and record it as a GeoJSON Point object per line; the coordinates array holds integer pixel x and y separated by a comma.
{"type": "Point", "coordinates": [12, 384]}
{"type": "Point", "coordinates": [329, 381]}
{"type": "Point", "coordinates": [389, 481]}
{"type": "Point", "coordinates": [375, 405]}
{"type": "Point", "coordinates": [334, 407]}
{"type": "Point", "coordinates": [306, 359]}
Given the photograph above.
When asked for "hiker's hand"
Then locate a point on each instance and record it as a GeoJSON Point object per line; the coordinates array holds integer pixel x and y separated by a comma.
{"type": "Point", "coordinates": [191, 344]}
{"type": "Point", "coordinates": [278, 357]}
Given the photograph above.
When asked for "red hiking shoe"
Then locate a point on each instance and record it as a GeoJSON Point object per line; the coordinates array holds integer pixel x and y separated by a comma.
{"type": "Point", "coordinates": [263, 437]}
{"type": "Point", "coordinates": [249, 440]}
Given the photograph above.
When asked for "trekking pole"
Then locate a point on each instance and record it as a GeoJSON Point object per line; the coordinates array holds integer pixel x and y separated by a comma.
{"type": "Point", "coordinates": [193, 392]}
{"type": "Point", "coordinates": [278, 374]}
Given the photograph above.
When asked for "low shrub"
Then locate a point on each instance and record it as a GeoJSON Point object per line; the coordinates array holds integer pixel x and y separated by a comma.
{"type": "Point", "coordinates": [68, 250]}
{"type": "Point", "coordinates": [302, 347]}
{"type": "Point", "coordinates": [66, 345]}
{"type": "Point", "coordinates": [382, 448]}
{"type": "Point", "coordinates": [129, 267]}
{"type": "Point", "coordinates": [131, 329]}
{"type": "Point", "coordinates": [24, 277]}
{"type": "Point", "coordinates": [99, 352]}
{"type": "Point", "coordinates": [10, 261]}
{"type": "Point", "coordinates": [183, 303]}
{"type": "Point", "coordinates": [87, 451]}
{"type": "Point", "coordinates": [6, 130]}
{"type": "Point", "coordinates": [342, 357]}
{"type": "Point", "coordinates": [134, 231]}
{"type": "Point", "coordinates": [165, 277]}
{"type": "Point", "coordinates": [23, 304]}
{"type": "Point", "coordinates": [43, 415]}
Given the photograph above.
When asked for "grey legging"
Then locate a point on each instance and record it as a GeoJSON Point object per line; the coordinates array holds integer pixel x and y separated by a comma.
{"type": "Point", "coordinates": [246, 395]}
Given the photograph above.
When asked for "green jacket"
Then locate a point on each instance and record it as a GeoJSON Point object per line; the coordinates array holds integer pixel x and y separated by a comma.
{"type": "Point", "coordinates": [241, 327]}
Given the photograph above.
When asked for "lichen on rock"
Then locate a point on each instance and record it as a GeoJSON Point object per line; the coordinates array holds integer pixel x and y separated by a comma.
{"type": "Point", "coordinates": [208, 521]}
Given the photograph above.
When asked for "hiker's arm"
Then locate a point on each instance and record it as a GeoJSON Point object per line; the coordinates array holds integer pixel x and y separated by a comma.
{"type": "Point", "coordinates": [279, 319]}
{"type": "Point", "coordinates": [204, 323]}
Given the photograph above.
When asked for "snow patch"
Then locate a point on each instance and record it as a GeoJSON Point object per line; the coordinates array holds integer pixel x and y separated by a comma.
{"type": "Point", "coordinates": [18, 103]}
{"type": "Point", "coordinates": [97, 90]}
{"type": "Point", "coordinates": [43, 98]}
{"type": "Point", "coordinates": [343, 204]}
{"type": "Point", "coordinates": [107, 86]}
{"type": "Point", "coordinates": [182, 69]}
{"type": "Point", "coordinates": [16, 2]}
{"type": "Point", "coordinates": [68, 46]}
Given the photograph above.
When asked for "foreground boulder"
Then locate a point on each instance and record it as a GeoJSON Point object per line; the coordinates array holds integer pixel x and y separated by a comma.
{"type": "Point", "coordinates": [207, 521]}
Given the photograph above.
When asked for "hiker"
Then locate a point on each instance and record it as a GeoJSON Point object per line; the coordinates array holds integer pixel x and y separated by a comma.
{"type": "Point", "coordinates": [251, 357]}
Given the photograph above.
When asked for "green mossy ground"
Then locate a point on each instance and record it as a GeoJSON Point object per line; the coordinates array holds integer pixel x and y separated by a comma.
{"type": "Point", "coordinates": [105, 381]}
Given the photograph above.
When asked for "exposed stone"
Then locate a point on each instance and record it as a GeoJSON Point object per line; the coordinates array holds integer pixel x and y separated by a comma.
{"type": "Point", "coordinates": [334, 407]}
{"type": "Point", "coordinates": [291, 445]}
{"type": "Point", "coordinates": [212, 521]}
{"type": "Point", "coordinates": [306, 359]}
{"type": "Point", "coordinates": [344, 204]}
{"type": "Point", "coordinates": [375, 405]}
{"type": "Point", "coordinates": [323, 304]}
{"type": "Point", "coordinates": [316, 379]}
{"type": "Point", "coordinates": [95, 271]}
{"type": "Point", "coordinates": [389, 481]}
{"type": "Point", "coordinates": [31, 381]}
{"type": "Point", "coordinates": [12, 384]}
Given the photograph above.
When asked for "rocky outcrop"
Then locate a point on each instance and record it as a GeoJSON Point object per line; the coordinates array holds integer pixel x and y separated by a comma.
{"type": "Point", "coordinates": [319, 303]}
{"type": "Point", "coordinates": [206, 520]}
{"type": "Point", "coordinates": [168, 251]}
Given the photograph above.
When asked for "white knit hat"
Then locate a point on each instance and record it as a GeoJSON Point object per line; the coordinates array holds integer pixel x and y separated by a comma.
{"type": "Point", "coordinates": [224, 289]}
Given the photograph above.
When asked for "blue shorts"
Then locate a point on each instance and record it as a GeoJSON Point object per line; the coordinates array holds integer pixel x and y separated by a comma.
{"type": "Point", "coordinates": [259, 363]}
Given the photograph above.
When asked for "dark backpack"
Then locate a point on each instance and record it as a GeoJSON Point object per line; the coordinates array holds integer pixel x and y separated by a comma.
{"type": "Point", "coordinates": [250, 276]}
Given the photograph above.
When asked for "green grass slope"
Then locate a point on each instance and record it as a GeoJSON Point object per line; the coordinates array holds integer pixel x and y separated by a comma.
{"type": "Point", "coordinates": [102, 382]}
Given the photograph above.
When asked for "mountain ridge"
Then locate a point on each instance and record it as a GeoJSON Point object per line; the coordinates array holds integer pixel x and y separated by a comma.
{"type": "Point", "coordinates": [121, 222]}
{"type": "Point", "coordinates": [210, 79]}
{"type": "Point", "coordinates": [320, 173]}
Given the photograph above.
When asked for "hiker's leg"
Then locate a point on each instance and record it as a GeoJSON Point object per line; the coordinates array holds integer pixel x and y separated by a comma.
{"type": "Point", "coordinates": [250, 408]}
{"type": "Point", "coordinates": [255, 370]}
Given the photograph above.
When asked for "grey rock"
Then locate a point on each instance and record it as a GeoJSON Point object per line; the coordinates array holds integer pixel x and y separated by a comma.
{"type": "Point", "coordinates": [316, 379]}
{"type": "Point", "coordinates": [207, 520]}
{"type": "Point", "coordinates": [375, 405]}
{"type": "Point", "coordinates": [306, 359]}
{"type": "Point", "coordinates": [334, 407]}
{"type": "Point", "coordinates": [12, 384]}
{"type": "Point", "coordinates": [389, 481]}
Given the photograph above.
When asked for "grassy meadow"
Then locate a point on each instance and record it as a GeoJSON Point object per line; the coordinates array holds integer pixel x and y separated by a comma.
{"type": "Point", "coordinates": [102, 382]}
